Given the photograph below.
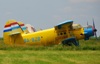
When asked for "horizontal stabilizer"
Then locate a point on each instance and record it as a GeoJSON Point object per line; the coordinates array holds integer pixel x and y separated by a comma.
{"type": "Point", "coordinates": [16, 33]}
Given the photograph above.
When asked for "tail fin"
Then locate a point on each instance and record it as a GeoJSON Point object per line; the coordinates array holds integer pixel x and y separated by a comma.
{"type": "Point", "coordinates": [12, 30]}
{"type": "Point", "coordinates": [23, 27]}
{"type": "Point", "coordinates": [12, 27]}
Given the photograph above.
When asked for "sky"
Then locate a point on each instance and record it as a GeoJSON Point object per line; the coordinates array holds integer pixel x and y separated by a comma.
{"type": "Point", "coordinates": [48, 13]}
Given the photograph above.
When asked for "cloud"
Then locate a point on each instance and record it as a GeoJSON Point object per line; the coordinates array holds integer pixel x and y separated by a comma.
{"type": "Point", "coordinates": [83, 1]}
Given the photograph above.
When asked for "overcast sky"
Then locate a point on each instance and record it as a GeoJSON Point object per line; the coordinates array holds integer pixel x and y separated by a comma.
{"type": "Point", "coordinates": [47, 13]}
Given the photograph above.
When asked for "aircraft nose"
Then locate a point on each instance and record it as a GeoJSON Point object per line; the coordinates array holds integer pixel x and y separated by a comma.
{"type": "Point", "coordinates": [88, 32]}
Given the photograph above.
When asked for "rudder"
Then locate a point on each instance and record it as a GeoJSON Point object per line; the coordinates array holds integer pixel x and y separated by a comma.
{"type": "Point", "coordinates": [12, 30]}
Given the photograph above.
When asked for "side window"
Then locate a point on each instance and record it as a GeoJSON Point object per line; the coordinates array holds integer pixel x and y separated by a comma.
{"type": "Point", "coordinates": [61, 33]}
{"type": "Point", "coordinates": [64, 33]}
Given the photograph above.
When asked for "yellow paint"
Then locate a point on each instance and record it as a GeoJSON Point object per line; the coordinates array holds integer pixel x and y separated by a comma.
{"type": "Point", "coordinates": [9, 37]}
{"type": "Point", "coordinates": [77, 33]}
{"type": "Point", "coordinates": [43, 37]}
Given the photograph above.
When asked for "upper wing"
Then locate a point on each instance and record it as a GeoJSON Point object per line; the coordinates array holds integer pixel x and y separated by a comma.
{"type": "Point", "coordinates": [64, 26]}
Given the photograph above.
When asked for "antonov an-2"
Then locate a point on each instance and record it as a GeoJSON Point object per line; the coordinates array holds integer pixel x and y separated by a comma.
{"type": "Point", "coordinates": [66, 33]}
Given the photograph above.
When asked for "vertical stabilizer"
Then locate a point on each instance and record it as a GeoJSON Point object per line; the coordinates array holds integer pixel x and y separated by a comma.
{"type": "Point", "coordinates": [12, 32]}
{"type": "Point", "coordinates": [23, 27]}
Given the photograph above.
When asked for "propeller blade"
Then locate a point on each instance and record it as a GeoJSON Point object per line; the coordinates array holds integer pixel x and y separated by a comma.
{"type": "Point", "coordinates": [95, 35]}
{"type": "Point", "coordinates": [93, 24]}
{"type": "Point", "coordinates": [95, 30]}
{"type": "Point", "coordinates": [87, 23]}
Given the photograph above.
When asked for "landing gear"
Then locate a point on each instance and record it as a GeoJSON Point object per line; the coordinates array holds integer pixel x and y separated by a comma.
{"type": "Point", "coordinates": [70, 42]}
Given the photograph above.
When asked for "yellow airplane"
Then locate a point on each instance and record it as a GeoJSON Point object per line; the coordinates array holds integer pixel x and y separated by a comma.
{"type": "Point", "coordinates": [66, 33]}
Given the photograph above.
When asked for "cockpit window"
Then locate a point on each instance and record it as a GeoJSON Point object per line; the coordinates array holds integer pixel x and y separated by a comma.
{"type": "Point", "coordinates": [76, 26]}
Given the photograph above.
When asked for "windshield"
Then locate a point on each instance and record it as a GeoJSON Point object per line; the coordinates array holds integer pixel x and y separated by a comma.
{"type": "Point", "coordinates": [76, 26]}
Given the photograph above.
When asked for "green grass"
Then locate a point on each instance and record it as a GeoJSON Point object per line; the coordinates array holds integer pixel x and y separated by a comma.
{"type": "Point", "coordinates": [91, 44]}
{"type": "Point", "coordinates": [49, 57]}
{"type": "Point", "coordinates": [87, 53]}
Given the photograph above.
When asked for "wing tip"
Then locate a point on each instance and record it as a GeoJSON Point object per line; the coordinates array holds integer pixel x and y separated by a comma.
{"type": "Point", "coordinates": [65, 22]}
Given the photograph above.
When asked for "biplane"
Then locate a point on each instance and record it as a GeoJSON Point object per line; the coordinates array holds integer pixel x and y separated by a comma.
{"type": "Point", "coordinates": [66, 33]}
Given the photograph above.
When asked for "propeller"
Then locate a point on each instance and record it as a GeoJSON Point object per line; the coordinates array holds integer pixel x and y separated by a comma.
{"type": "Point", "coordinates": [87, 23]}
{"type": "Point", "coordinates": [88, 26]}
{"type": "Point", "coordinates": [94, 29]}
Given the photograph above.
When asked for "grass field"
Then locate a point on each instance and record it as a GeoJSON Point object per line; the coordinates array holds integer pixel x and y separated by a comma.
{"type": "Point", "coordinates": [49, 57]}
{"type": "Point", "coordinates": [87, 53]}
